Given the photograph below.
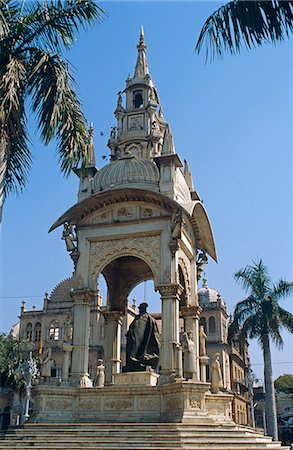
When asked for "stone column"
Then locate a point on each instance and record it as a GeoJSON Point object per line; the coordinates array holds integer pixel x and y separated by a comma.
{"type": "Point", "coordinates": [82, 299]}
{"type": "Point", "coordinates": [169, 352]}
{"type": "Point", "coordinates": [112, 350]}
{"type": "Point", "coordinates": [191, 323]}
{"type": "Point", "coordinates": [67, 348]}
{"type": "Point", "coordinates": [204, 360]}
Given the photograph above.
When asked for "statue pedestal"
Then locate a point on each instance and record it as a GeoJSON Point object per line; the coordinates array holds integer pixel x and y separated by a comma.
{"type": "Point", "coordinates": [131, 398]}
{"type": "Point", "coordinates": [147, 378]}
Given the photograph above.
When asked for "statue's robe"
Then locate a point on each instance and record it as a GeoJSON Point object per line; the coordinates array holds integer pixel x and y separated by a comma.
{"type": "Point", "coordinates": [143, 344]}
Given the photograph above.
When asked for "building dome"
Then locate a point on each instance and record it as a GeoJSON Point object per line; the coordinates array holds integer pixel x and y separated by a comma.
{"type": "Point", "coordinates": [61, 292]}
{"type": "Point", "coordinates": [127, 171]}
{"type": "Point", "coordinates": [208, 296]}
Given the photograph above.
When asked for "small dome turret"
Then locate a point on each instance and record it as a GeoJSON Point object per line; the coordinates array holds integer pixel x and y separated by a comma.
{"type": "Point", "coordinates": [128, 171]}
{"type": "Point", "coordinates": [208, 296]}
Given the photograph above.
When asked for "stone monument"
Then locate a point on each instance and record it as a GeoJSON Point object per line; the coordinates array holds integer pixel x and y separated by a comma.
{"type": "Point", "coordinates": [138, 218]}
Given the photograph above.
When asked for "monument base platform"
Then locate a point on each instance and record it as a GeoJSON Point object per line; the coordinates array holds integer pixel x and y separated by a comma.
{"type": "Point", "coordinates": [130, 400]}
{"type": "Point", "coordinates": [180, 415]}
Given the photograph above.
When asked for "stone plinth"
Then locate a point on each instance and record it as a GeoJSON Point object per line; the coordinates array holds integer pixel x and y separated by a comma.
{"type": "Point", "coordinates": [182, 402]}
{"type": "Point", "coordinates": [147, 378]}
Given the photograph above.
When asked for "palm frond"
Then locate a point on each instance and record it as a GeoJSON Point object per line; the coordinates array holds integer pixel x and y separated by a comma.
{"type": "Point", "coordinates": [255, 279]}
{"type": "Point", "coordinates": [58, 109]}
{"type": "Point", "coordinates": [53, 24]}
{"type": "Point", "coordinates": [286, 319]}
{"type": "Point", "coordinates": [252, 327]}
{"type": "Point", "coordinates": [245, 307]}
{"type": "Point", "coordinates": [4, 24]}
{"type": "Point", "coordinates": [233, 330]}
{"type": "Point", "coordinates": [282, 289]}
{"type": "Point", "coordinates": [15, 155]}
{"type": "Point", "coordinates": [248, 23]}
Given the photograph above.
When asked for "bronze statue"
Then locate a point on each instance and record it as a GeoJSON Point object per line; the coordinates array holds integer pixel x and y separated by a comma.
{"type": "Point", "coordinates": [143, 343]}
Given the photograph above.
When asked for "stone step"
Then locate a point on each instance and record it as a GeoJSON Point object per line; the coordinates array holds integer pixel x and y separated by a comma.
{"type": "Point", "coordinates": [115, 434]}
{"type": "Point", "coordinates": [136, 436]}
{"type": "Point", "coordinates": [146, 446]}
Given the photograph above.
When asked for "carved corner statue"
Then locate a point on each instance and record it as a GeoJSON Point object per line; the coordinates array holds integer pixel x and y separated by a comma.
{"type": "Point", "coordinates": [202, 341]}
{"type": "Point", "coordinates": [217, 381]}
{"type": "Point", "coordinates": [100, 375]}
{"type": "Point", "coordinates": [201, 261]}
{"type": "Point", "coordinates": [47, 364]}
{"type": "Point", "coordinates": [69, 237]}
{"type": "Point", "coordinates": [143, 342]}
{"type": "Point", "coordinates": [188, 349]}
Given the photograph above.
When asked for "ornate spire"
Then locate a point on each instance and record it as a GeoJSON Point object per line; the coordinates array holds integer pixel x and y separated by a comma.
{"type": "Point", "coordinates": [91, 149]}
{"type": "Point", "coordinates": [188, 176]}
{"type": "Point", "coordinates": [141, 68]}
{"type": "Point", "coordinates": [168, 144]}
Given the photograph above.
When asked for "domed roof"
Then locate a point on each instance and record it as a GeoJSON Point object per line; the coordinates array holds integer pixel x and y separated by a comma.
{"type": "Point", "coordinates": [60, 293]}
{"type": "Point", "coordinates": [128, 171]}
{"type": "Point", "coordinates": [208, 296]}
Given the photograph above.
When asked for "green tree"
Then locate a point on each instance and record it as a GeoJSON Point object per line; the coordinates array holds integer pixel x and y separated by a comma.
{"type": "Point", "coordinates": [259, 316]}
{"type": "Point", "coordinates": [284, 383]}
{"type": "Point", "coordinates": [14, 355]}
{"type": "Point", "coordinates": [34, 74]}
{"type": "Point", "coordinates": [248, 23]}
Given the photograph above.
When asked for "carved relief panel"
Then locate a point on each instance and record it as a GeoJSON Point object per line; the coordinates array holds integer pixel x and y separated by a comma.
{"type": "Point", "coordinates": [147, 248]}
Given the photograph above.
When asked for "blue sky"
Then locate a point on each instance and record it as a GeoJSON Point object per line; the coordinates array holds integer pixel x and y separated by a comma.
{"type": "Point", "coordinates": [231, 120]}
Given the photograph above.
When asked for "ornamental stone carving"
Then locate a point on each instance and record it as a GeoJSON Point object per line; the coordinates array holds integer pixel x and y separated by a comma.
{"type": "Point", "coordinates": [90, 405]}
{"type": "Point", "coordinates": [194, 403]}
{"type": "Point", "coordinates": [147, 248]}
{"type": "Point", "coordinates": [174, 402]}
{"type": "Point", "coordinates": [217, 411]}
{"type": "Point", "coordinates": [149, 404]}
{"type": "Point", "coordinates": [119, 404]}
{"type": "Point", "coordinates": [58, 404]}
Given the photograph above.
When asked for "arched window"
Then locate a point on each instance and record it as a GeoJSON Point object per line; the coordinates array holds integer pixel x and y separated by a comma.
{"type": "Point", "coordinates": [137, 99]}
{"type": "Point", "coordinates": [54, 330]}
{"type": "Point", "coordinates": [29, 332]}
{"type": "Point", "coordinates": [37, 334]}
{"type": "Point", "coordinates": [203, 322]}
{"type": "Point", "coordinates": [212, 325]}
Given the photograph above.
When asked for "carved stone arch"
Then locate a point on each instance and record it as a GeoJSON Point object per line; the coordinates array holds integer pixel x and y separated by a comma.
{"type": "Point", "coordinates": [184, 264]}
{"type": "Point", "coordinates": [145, 248]}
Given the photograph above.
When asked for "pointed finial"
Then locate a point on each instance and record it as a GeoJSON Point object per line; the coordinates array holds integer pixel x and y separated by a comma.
{"type": "Point", "coordinates": [168, 144]}
{"type": "Point", "coordinates": [91, 149]}
{"type": "Point", "coordinates": [141, 68]}
{"type": "Point", "coordinates": [141, 37]}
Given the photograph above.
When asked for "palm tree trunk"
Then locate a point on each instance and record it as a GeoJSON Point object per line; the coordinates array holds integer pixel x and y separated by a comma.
{"type": "Point", "coordinates": [270, 402]}
{"type": "Point", "coordinates": [3, 165]}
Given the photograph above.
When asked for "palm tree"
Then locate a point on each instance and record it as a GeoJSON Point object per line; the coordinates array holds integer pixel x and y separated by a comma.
{"type": "Point", "coordinates": [33, 74]}
{"type": "Point", "coordinates": [260, 316]}
{"type": "Point", "coordinates": [248, 23]}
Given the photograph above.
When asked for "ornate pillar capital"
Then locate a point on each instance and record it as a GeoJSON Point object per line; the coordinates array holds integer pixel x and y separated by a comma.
{"type": "Point", "coordinates": [170, 289]}
{"type": "Point", "coordinates": [82, 296]}
{"type": "Point", "coordinates": [115, 316]}
{"type": "Point", "coordinates": [191, 311]}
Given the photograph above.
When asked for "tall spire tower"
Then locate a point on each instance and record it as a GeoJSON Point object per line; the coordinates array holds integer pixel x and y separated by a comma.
{"type": "Point", "coordinates": [140, 126]}
{"type": "Point", "coordinates": [141, 68]}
